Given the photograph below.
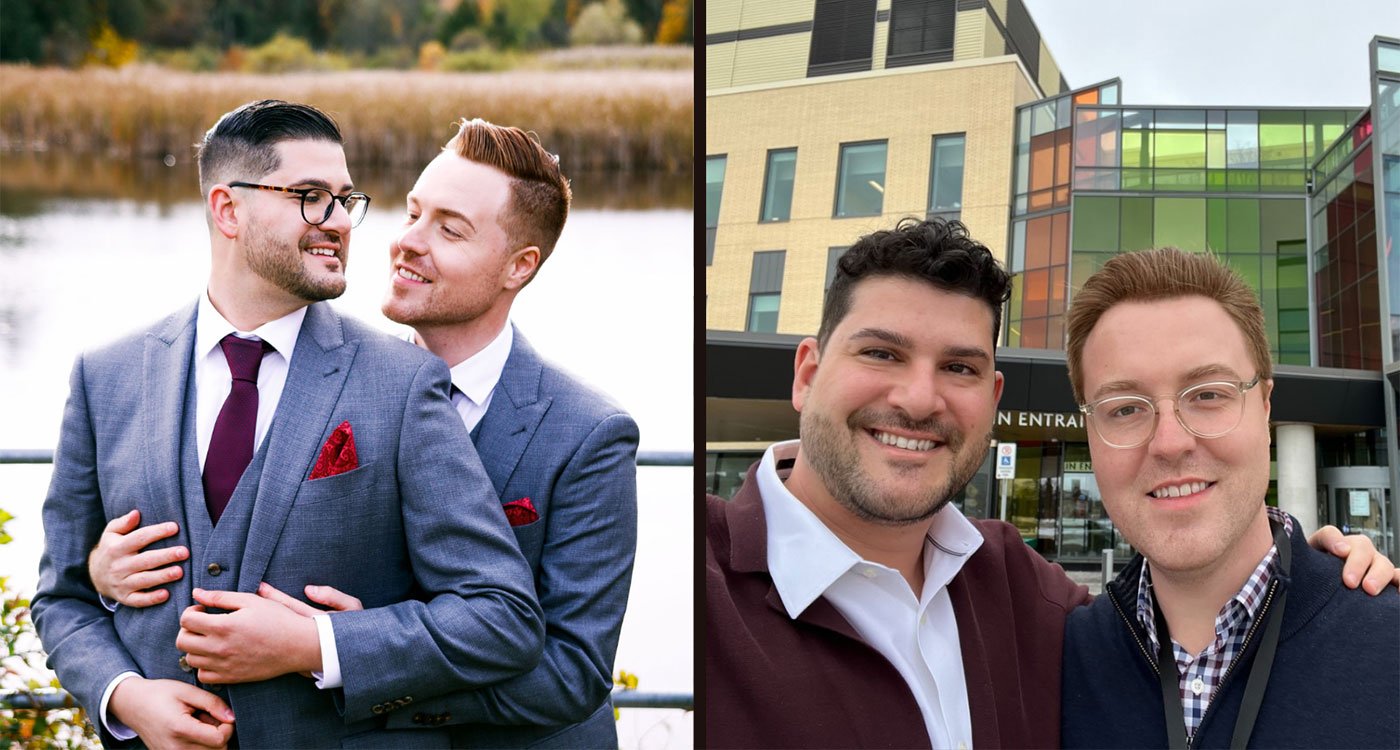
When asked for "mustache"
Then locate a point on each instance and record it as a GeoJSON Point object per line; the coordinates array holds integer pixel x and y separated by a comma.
{"type": "Point", "coordinates": [871, 418]}
{"type": "Point", "coordinates": [319, 236]}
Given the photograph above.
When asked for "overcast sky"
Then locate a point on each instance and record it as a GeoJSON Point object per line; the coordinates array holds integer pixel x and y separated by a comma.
{"type": "Point", "coordinates": [1221, 52]}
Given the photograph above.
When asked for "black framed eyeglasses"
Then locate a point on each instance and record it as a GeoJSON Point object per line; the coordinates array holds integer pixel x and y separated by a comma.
{"type": "Point", "coordinates": [318, 203]}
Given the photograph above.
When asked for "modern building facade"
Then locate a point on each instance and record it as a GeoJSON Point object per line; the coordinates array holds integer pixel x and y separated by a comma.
{"type": "Point", "coordinates": [1054, 181]}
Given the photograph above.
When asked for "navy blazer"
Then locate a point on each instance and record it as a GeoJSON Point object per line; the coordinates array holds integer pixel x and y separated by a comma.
{"type": "Point", "coordinates": [573, 453]}
{"type": "Point", "coordinates": [419, 535]}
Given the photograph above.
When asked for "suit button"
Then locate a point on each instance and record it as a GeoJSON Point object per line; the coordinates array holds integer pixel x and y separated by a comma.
{"type": "Point", "coordinates": [215, 569]}
{"type": "Point", "coordinates": [379, 709]}
{"type": "Point", "coordinates": [446, 717]}
{"type": "Point", "coordinates": [419, 718]}
{"type": "Point", "coordinates": [185, 665]}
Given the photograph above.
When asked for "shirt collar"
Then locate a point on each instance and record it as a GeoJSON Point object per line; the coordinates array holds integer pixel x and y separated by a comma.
{"type": "Point", "coordinates": [210, 328]}
{"type": "Point", "coordinates": [1248, 598]}
{"type": "Point", "coordinates": [477, 375]}
{"type": "Point", "coordinates": [805, 557]}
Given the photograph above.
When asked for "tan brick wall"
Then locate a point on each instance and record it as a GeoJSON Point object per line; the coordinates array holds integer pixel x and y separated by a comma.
{"type": "Point", "coordinates": [906, 107]}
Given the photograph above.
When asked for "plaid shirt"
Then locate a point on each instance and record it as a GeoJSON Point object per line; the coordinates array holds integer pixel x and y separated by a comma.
{"type": "Point", "coordinates": [1199, 675]}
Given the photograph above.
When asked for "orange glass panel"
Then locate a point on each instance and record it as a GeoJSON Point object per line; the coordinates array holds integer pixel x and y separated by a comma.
{"type": "Point", "coordinates": [1042, 161]}
{"type": "Point", "coordinates": [1037, 291]}
{"type": "Point", "coordinates": [1087, 97]}
{"type": "Point", "coordinates": [1057, 291]}
{"type": "Point", "coordinates": [1033, 333]}
{"type": "Point", "coordinates": [1059, 239]}
{"type": "Point", "coordinates": [1062, 160]}
{"type": "Point", "coordinates": [1038, 243]}
{"type": "Point", "coordinates": [1061, 196]}
{"type": "Point", "coordinates": [1040, 199]}
{"type": "Point", "coordinates": [1055, 333]}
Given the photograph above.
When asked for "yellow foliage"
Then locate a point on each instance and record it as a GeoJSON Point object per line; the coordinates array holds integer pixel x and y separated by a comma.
{"type": "Point", "coordinates": [626, 680]}
{"type": "Point", "coordinates": [110, 48]}
{"type": "Point", "coordinates": [430, 55]}
{"type": "Point", "coordinates": [671, 29]}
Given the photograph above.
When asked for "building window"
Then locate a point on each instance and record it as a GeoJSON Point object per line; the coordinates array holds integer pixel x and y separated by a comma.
{"type": "Point", "coordinates": [921, 31]}
{"type": "Point", "coordinates": [777, 185]}
{"type": "Point", "coordinates": [833, 256]}
{"type": "Point", "coordinates": [843, 35]}
{"type": "Point", "coordinates": [945, 180]}
{"type": "Point", "coordinates": [860, 183]}
{"type": "Point", "coordinates": [765, 291]}
{"type": "Point", "coordinates": [714, 188]}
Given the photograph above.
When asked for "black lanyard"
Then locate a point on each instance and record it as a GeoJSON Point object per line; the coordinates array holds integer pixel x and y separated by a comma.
{"type": "Point", "coordinates": [1258, 674]}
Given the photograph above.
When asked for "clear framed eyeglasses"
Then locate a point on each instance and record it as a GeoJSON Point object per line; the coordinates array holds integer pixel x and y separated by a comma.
{"type": "Point", "coordinates": [1206, 410]}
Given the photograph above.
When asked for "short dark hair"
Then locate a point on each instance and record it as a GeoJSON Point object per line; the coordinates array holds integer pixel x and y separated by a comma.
{"type": "Point", "coordinates": [936, 251]}
{"type": "Point", "coordinates": [539, 194]}
{"type": "Point", "coordinates": [240, 145]}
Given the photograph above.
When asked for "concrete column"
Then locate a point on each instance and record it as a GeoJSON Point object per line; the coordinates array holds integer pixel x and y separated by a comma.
{"type": "Point", "coordinates": [1297, 473]}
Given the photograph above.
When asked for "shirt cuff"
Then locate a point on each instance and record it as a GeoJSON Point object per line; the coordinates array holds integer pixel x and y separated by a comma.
{"type": "Point", "coordinates": [108, 603]}
{"type": "Point", "coordinates": [118, 729]}
{"type": "Point", "coordinates": [329, 676]}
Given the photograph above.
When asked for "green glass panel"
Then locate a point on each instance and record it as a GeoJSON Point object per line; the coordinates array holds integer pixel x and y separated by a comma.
{"type": "Point", "coordinates": [1247, 266]}
{"type": "Point", "coordinates": [1243, 225]}
{"type": "Point", "coordinates": [1293, 282]}
{"type": "Point", "coordinates": [1215, 149]}
{"type": "Point", "coordinates": [1283, 226]}
{"type": "Point", "coordinates": [1136, 225]}
{"type": "Point", "coordinates": [1180, 180]}
{"type": "Point", "coordinates": [1281, 139]}
{"type": "Point", "coordinates": [1282, 180]}
{"type": "Point", "coordinates": [1095, 224]}
{"type": "Point", "coordinates": [1081, 266]}
{"type": "Point", "coordinates": [1180, 222]}
{"type": "Point", "coordinates": [1137, 150]}
{"type": "Point", "coordinates": [1215, 224]}
{"type": "Point", "coordinates": [1268, 279]}
{"type": "Point", "coordinates": [1137, 179]}
{"type": "Point", "coordinates": [1243, 180]}
{"type": "Point", "coordinates": [1325, 126]}
{"type": "Point", "coordinates": [1179, 149]}
{"type": "Point", "coordinates": [1216, 180]}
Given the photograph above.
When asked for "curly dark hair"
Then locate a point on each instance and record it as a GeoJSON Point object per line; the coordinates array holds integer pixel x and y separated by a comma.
{"type": "Point", "coordinates": [937, 251]}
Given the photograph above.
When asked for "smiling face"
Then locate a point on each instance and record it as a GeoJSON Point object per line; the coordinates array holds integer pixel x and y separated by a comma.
{"type": "Point", "coordinates": [897, 408]}
{"type": "Point", "coordinates": [308, 262]}
{"type": "Point", "coordinates": [451, 263]}
{"type": "Point", "coordinates": [1185, 502]}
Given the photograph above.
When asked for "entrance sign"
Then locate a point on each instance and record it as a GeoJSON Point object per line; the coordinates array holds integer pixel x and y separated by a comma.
{"type": "Point", "coordinates": [1360, 503]}
{"type": "Point", "coordinates": [1006, 460]}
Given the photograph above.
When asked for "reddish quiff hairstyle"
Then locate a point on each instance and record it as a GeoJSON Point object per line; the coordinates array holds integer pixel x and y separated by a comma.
{"type": "Point", "coordinates": [539, 194]}
{"type": "Point", "coordinates": [1164, 273]}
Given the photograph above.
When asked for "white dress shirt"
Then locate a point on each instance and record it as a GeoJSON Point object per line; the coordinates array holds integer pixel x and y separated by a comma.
{"type": "Point", "coordinates": [476, 377]}
{"type": "Point", "coordinates": [213, 381]}
{"type": "Point", "coordinates": [918, 636]}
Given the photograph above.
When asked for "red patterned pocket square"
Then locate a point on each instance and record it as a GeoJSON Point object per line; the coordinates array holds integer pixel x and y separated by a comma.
{"type": "Point", "coordinates": [520, 512]}
{"type": "Point", "coordinates": [338, 454]}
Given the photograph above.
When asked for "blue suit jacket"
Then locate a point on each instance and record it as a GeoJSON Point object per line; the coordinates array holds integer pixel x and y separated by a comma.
{"type": "Point", "coordinates": [431, 555]}
{"type": "Point", "coordinates": [573, 452]}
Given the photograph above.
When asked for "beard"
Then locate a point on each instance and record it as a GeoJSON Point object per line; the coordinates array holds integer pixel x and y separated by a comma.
{"type": "Point", "coordinates": [268, 258]}
{"type": "Point", "coordinates": [835, 458]}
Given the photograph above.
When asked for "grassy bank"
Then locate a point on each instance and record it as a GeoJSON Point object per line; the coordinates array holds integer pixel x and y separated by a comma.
{"type": "Point", "coordinates": [637, 120]}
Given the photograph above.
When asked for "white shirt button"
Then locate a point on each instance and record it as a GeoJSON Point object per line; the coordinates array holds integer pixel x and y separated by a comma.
{"type": "Point", "coordinates": [1197, 685]}
{"type": "Point", "coordinates": [868, 572]}
{"type": "Point", "coordinates": [923, 619]}
{"type": "Point", "coordinates": [962, 746]}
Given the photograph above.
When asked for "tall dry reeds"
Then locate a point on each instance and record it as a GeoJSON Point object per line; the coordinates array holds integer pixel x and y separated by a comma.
{"type": "Point", "coordinates": [633, 120]}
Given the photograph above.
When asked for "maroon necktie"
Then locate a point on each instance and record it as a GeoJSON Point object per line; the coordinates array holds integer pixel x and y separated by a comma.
{"type": "Point", "coordinates": [231, 447]}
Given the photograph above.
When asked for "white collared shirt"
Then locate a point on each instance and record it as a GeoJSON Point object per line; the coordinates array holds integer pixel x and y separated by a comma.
{"type": "Point", "coordinates": [918, 636]}
{"type": "Point", "coordinates": [213, 380]}
{"type": "Point", "coordinates": [476, 377]}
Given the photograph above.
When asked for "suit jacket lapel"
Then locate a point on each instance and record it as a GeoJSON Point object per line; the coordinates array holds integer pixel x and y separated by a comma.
{"type": "Point", "coordinates": [515, 412]}
{"type": "Point", "coordinates": [315, 379]}
{"type": "Point", "coordinates": [166, 366]}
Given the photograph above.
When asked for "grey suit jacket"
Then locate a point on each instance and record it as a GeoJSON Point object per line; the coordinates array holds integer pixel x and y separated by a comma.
{"type": "Point", "coordinates": [573, 452]}
{"type": "Point", "coordinates": [429, 553]}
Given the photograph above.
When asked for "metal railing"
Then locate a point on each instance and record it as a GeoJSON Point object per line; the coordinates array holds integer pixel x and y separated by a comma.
{"type": "Point", "coordinates": [49, 699]}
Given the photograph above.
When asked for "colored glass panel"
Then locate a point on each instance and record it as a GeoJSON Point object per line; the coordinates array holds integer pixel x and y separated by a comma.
{"type": "Point", "coordinates": [1243, 180]}
{"type": "Point", "coordinates": [1059, 238]}
{"type": "Point", "coordinates": [1216, 236]}
{"type": "Point", "coordinates": [1037, 293]}
{"type": "Point", "coordinates": [1179, 148]}
{"type": "Point", "coordinates": [1033, 333]}
{"type": "Point", "coordinates": [1242, 234]}
{"type": "Point", "coordinates": [1136, 225]}
{"type": "Point", "coordinates": [1281, 139]}
{"type": "Point", "coordinates": [1042, 161]}
{"type": "Point", "coordinates": [1180, 180]}
{"type": "Point", "coordinates": [1282, 226]}
{"type": "Point", "coordinates": [1057, 295]}
{"type": "Point", "coordinates": [1038, 243]}
{"type": "Point", "coordinates": [1215, 149]}
{"type": "Point", "coordinates": [1180, 222]}
{"type": "Point", "coordinates": [1095, 224]}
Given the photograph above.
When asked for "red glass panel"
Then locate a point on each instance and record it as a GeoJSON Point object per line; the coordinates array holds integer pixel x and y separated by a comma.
{"type": "Point", "coordinates": [1037, 290]}
{"type": "Point", "coordinates": [1366, 243]}
{"type": "Point", "coordinates": [1038, 243]}
{"type": "Point", "coordinates": [1059, 239]}
{"type": "Point", "coordinates": [1042, 161]}
{"type": "Point", "coordinates": [1346, 256]}
{"type": "Point", "coordinates": [1351, 334]}
{"type": "Point", "coordinates": [1055, 334]}
{"type": "Point", "coordinates": [1369, 295]}
{"type": "Point", "coordinates": [1346, 206]}
{"type": "Point", "coordinates": [1033, 333]}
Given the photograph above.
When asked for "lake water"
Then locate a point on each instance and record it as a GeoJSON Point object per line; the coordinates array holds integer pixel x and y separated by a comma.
{"type": "Point", "coordinates": [91, 249]}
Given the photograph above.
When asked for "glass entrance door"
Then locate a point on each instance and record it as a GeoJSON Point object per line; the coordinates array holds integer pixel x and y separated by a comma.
{"type": "Point", "coordinates": [1362, 510]}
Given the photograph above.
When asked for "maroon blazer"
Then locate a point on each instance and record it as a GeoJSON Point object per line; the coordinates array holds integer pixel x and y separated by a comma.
{"type": "Point", "coordinates": [772, 682]}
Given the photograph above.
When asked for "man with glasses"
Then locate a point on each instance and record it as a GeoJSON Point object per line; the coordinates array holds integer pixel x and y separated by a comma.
{"type": "Point", "coordinates": [270, 440]}
{"type": "Point", "coordinates": [1227, 627]}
